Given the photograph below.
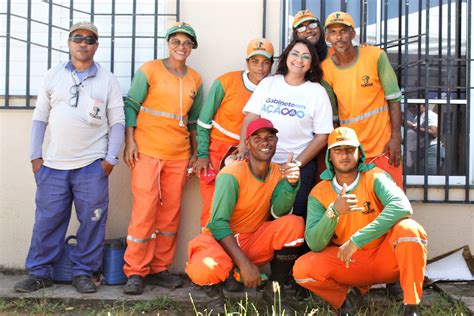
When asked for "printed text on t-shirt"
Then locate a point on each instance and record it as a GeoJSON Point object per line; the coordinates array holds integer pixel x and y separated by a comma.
{"type": "Point", "coordinates": [277, 106]}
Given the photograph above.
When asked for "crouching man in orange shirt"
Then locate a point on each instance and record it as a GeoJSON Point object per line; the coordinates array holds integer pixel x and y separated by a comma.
{"type": "Point", "coordinates": [239, 233]}
{"type": "Point", "coordinates": [360, 231]}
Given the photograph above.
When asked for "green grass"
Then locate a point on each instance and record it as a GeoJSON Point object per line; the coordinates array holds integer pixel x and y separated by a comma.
{"type": "Point", "coordinates": [438, 304]}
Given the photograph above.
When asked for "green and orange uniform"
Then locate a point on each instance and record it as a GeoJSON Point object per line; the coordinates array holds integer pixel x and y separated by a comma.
{"type": "Point", "coordinates": [391, 246]}
{"type": "Point", "coordinates": [219, 126]}
{"type": "Point", "coordinates": [242, 207]}
{"type": "Point", "coordinates": [163, 108]}
{"type": "Point", "coordinates": [363, 91]}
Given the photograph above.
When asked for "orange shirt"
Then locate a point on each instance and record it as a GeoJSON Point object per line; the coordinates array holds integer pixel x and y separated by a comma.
{"type": "Point", "coordinates": [230, 116]}
{"type": "Point", "coordinates": [361, 95]}
{"type": "Point", "coordinates": [350, 223]}
{"type": "Point", "coordinates": [248, 202]}
{"type": "Point", "coordinates": [161, 136]}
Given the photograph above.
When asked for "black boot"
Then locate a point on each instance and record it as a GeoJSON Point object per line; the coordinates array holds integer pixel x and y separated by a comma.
{"type": "Point", "coordinates": [394, 290]}
{"type": "Point", "coordinates": [281, 265]}
{"type": "Point", "coordinates": [352, 303]}
{"type": "Point", "coordinates": [217, 299]}
{"type": "Point", "coordinates": [411, 310]}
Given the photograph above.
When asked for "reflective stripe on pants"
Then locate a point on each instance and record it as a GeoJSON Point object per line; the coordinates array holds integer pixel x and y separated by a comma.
{"type": "Point", "coordinates": [151, 218]}
{"type": "Point", "coordinates": [327, 276]}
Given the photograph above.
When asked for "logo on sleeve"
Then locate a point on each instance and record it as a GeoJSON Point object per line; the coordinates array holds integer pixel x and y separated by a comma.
{"type": "Point", "coordinates": [193, 94]}
{"type": "Point", "coordinates": [366, 82]}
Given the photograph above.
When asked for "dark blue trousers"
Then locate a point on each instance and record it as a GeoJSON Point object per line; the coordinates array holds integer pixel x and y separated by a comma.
{"type": "Point", "coordinates": [308, 179]}
{"type": "Point", "coordinates": [56, 190]}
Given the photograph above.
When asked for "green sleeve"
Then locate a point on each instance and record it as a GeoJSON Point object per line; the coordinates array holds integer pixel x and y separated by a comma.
{"type": "Point", "coordinates": [396, 207]}
{"type": "Point", "coordinates": [223, 203]}
{"type": "Point", "coordinates": [209, 109]}
{"type": "Point", "coordinates": [283, 198]}
{"type": "Point", "coordinates": [388, 78]}
{"type": "Point", "coordinates": [319, 228]}
{"type": "Point", "coordinates": [135, 97]}
{"type": "Point", "coordinates": [332, 99]}
{"type": "Point", "coordinates": [195, 109]}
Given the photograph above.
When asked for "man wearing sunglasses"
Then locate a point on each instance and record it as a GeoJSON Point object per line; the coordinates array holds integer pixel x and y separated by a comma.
{"type": "Point", "coordinates": [81, 104]}
{"type": "Point", "coordinates": [307, 26]}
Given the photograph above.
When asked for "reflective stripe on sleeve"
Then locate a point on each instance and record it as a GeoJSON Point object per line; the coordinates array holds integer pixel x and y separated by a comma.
{"type": "Point", "coordinates": [294, 242]}
{"type": "Point", "coordinates": [204, 125]}
{"type": "Point", "coordinates": [225, 132]}
{"type": "Point", "coordinates": [393, 96]}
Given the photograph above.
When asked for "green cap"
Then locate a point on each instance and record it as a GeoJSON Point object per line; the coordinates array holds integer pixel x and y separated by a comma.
{"type": "Point", "coordinates": [182, 27]}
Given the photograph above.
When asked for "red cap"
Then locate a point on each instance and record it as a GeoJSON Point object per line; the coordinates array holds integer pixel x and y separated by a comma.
{"type": "Point", "coordinates": [259, 124]}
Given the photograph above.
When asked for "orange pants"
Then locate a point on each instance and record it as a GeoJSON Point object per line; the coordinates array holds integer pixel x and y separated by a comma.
{"type": "Point", "coordinates": [157, 187]}
{"type": "Point", "coordinates": [382, 161]}
{"type": "Point", "coordinates": [208, 263]}
{"type": "Point", "coordinates": [401, 256]}
{"type": "Point", "coordinates": [217, 150]}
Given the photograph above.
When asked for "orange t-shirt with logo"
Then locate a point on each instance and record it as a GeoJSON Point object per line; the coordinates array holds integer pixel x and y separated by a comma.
{"type": "Point", "coordinates": [362, 89]}
{"type": "Point", "coordinates": [161, 136]}
{"type": "Point", "coordinates": [351, 223]}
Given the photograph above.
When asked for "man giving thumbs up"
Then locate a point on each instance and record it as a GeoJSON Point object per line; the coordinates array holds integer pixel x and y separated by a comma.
{"type": "Point", "coordinates": [360, 231]}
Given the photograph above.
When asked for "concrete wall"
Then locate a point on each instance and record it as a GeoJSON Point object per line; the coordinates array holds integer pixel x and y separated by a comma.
{"type": "Point", "coordinates": [224, 28]}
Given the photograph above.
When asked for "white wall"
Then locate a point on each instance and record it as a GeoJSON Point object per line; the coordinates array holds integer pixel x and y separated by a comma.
{"type": "Point", "coordinates": [224, 28]}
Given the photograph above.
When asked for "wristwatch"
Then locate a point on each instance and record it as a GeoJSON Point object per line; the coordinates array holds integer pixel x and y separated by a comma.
{"type": "Point", "coordinates": [331, 212]}
{"type": "Point", "coordinates": [297, 162]}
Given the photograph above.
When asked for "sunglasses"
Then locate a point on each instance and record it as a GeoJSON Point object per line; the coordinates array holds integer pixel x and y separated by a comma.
{"type": "Point", "coordinates": [176, 42]}
{"type": "Point", "coordinates": [90, 40]}
{"type": "Point", "coordinates": [310, 26]}
{"type": "Point", "coordinates": [303, 57]}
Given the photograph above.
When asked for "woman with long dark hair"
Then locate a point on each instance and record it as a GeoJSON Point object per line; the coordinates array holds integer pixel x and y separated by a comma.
{"type": "Point", "coordinates": [299, 107]}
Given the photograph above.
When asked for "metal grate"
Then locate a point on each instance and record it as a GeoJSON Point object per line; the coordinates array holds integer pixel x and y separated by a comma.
{"type": "Point", "coordinates": [428, 43]}
{"type": "Point", "coordinates": [35, 38]}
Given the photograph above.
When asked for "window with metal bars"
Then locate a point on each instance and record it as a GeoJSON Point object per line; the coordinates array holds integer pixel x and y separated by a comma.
{"type": "Point", "coordinates": [35, 38]}
{"type": "Point", "coordinates": [429, 47]}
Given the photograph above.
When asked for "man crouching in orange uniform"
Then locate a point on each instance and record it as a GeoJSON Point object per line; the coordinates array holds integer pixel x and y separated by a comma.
{"type": "Point", "coordinates": [239, 232]}
{"type": "Point", "coordinates": [360, 231]}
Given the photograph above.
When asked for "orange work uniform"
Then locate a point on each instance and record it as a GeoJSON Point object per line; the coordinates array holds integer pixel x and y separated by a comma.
{"type": "Point", "coordinates": [241, 208]}
{"type": "Point", "coordinates": [219, 126]}
{"type": "Point", "coordinates": [362, 90]}
{"type": "Point", "coordinates": [163, 108]}
{"type": "Point", "coordinates": [391, 246]}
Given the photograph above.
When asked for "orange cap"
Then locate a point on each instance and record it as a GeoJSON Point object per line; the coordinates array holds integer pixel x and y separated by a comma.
{"type": "Point", "coordinates": [303, 16]}
{"type": "Point", "coordinates": [343, 136]}
{"type": "Point", "coordinates": [260, 46]}
{"type": "Point", "coordinates": [339, 17]}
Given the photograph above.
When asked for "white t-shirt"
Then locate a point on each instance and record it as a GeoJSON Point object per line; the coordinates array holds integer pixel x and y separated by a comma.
{"type": "Point", "coordinates": [432, 121]}
{"type": "Point", "coordinates": [298, 112]}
